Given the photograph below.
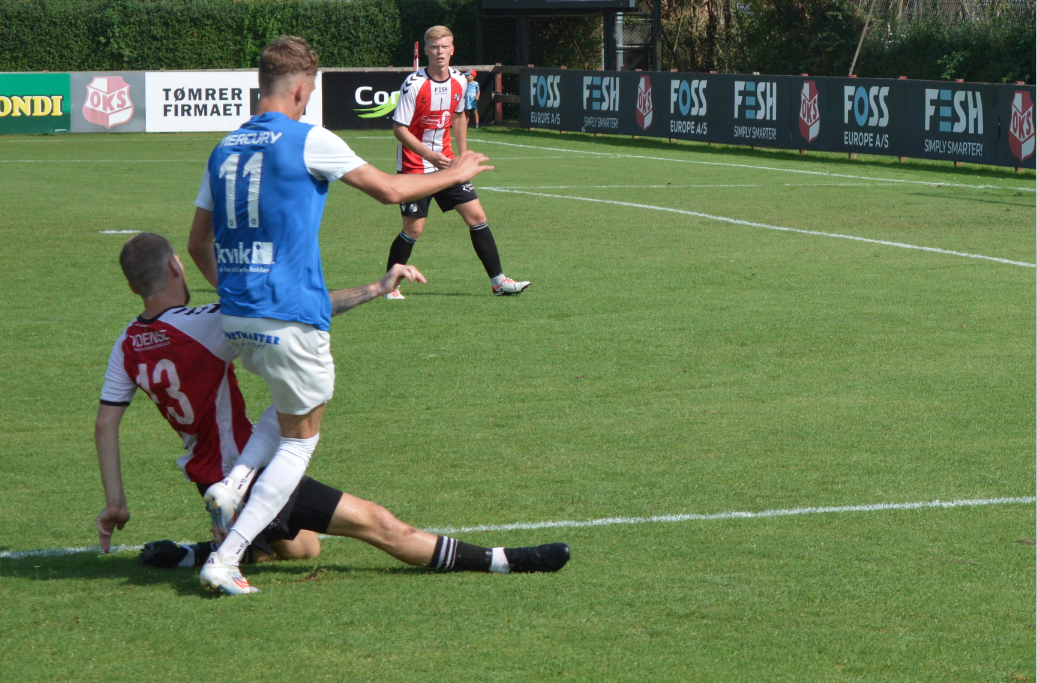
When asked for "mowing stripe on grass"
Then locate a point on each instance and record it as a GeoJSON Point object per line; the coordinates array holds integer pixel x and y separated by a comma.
{"type": "Point", "coordinates": [608, 521]}
{"type": "Point", "coordinates": [736, 221]}
{"type": "Point", "coordinates": [757, 168]}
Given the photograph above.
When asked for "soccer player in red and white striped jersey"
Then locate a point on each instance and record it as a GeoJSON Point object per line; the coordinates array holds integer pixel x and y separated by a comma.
{"type": "Point", "coordinates": [429, 123]}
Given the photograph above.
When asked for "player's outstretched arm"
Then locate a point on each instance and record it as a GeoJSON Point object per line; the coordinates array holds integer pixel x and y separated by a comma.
{"type": "Point", "coordinates": [106, 437]}
{"type": "Point", "coordinates": [411, 142]}
{"type": "Point", "coordinates": [405, 187]}
{"type": "Point", "coordinates": [344, 299]}
{"type": "Point", "coordinates": [200, 245]}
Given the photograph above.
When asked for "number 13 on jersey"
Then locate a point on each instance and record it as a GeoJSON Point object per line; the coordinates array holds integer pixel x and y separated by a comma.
{"type": "Point", "coordinates": [253, 170]}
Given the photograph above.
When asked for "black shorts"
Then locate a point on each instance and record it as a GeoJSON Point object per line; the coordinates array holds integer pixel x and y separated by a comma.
{"type": "Point", "coordinates": [311, 506]}
{"type": "Point", "coordinates": [447, 200]}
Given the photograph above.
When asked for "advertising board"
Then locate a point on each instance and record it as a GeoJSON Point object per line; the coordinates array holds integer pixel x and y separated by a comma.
{"type": "Point", "coordinates": [34, 103]}
{"type": "Point", "coordinates": [951, 121]}
{"type": "Point", "coordinates": [183, 101]}
{"type": "Point", "coordinates": [108, 102]}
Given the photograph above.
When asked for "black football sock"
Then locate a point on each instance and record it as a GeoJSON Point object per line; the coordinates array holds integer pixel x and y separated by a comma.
{"type": "Point", "coordinates": [400, 250]}
{"type": "Point", "coordinates": [486, 249]}
{"type": "Point", "coordinates": [453, 555]}
{"type": "Point", "coordinates": [201, 551]}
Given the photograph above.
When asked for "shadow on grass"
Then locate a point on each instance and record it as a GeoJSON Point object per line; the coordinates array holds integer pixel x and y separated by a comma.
{"type": "Point", "coordinates": [123, 567]}
{"type": "Point", "coordinates": [832, 161]}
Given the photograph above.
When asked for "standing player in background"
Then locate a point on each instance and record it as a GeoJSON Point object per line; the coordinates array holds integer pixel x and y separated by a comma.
{"type": "Point", "coordinates": [254, 238]}
{"type": "Point", "coordinates": [471, 99]}
{"type": "Point", "coordinates": [423, 122]}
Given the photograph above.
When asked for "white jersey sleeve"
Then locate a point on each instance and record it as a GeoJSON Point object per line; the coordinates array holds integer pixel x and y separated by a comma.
{"type": "Point", "coordinates": [204, 200]}
{"type": "Point", "coordinates": [463, 82]}
{"type": "Point", "coordinates": [119, 388]}
{"type": "Point", "coordinates": [404, 112]}
{"type": "Point", "coordinates": [326, 155]}
{"type": "Point", "coordinates": [204, 324]}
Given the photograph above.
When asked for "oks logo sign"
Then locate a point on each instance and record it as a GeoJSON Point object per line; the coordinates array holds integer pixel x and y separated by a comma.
{"type": "Point", "coordinates": [809, 113]}
{"type": "Point", "coordinates": [108, 101]}
{"type": "Point", "coordinates": [1020, 132]}
{"type": "Point", "coordinates": [644, 103]}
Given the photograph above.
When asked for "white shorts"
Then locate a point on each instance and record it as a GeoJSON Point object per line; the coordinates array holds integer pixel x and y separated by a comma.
{"type": "Point", "coordinates": [293, 358]}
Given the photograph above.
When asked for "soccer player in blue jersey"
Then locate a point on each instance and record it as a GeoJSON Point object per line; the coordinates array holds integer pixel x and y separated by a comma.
{"type": "Point", "coordinates": [254, 237]}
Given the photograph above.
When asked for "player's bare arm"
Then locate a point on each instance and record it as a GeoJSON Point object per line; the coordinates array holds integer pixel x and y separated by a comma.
{"type": "Point", "coordinates": [459, 133]}
{"type": "Point", "coordinates": [106, 437]}
{"type": "Point", "coordinates": [200, 245]}
{"type": "Point", "coordinates": [405, 187]}
{"type": "Point", "coordinates": [344, 299]}
{"type": "Point", "coordinates": [411, 142]}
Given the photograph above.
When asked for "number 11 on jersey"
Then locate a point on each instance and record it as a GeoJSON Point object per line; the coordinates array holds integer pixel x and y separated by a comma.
{"type": "Point", "coordinates": [253, 170]}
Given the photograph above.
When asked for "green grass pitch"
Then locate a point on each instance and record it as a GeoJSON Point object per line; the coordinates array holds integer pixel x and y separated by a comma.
{"type": "Point", "coordinates": [661, 363]}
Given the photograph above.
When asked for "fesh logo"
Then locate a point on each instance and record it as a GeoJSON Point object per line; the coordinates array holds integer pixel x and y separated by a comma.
{"type": "Point", "coordinates": [865, 105]}
{"type": "Point", "coordinates": [957, 121]}
{"type": "Point", "coordinates": [543, 91]}
{"type": "Point", "coordinates": [602, 91]}
{"type": "Point", "coordinates": [1020, 132]}
{"type": "Point", "coordinates": [108, 101]}
{"type": "Point", "coordinates": [759, 99]}
{"type": "Point", "coordinates": [809, 112]}
{"type": "Point", "coordinates": [644, 103]}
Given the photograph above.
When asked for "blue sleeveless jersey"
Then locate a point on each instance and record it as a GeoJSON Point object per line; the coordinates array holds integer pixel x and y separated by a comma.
{"type": "Point", "coordinates": [267, 209]}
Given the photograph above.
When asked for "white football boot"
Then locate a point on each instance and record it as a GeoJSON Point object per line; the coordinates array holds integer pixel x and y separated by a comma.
{"type": "Point", "coordinates": [509, 287]}
{"type": "Point", "coordinates": [395, 295]}
{"type": "Point", "coordinates": [224, 578]}
{"type": "Point", "coordinates": [223, 505]}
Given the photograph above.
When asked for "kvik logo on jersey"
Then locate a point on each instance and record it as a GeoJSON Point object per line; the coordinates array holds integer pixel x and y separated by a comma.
{"type": "Point", "coordinates": [108, 101]}
{"type": "Point", "coordinates": [602, 91]}
{"type": "Point", "coordinates": [949, 123]}
{"type": "Point", "coordinates": [809, 112]}
{"type": "Point", "coordinates": [260, 253]}
{"type": "Point", "coordinates": [644, 103]}
{"type": "Point", "coordinates": [756, 100]}
{"type": "Point", "coordinates": [1020, 131]}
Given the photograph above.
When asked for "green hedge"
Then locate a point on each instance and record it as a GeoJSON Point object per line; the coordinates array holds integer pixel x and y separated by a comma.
{"type": "Point", "coordinates": [78, 35]}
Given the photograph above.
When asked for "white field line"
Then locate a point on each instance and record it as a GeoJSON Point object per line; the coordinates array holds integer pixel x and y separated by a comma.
{"type": "Point", "coordinates": [117, 232]}
{"type": "Point", "coordinates": [736, 221]}
{"type": "Point", "coordinates": [757, 168]}
{"type": "Point", "coordinates": [609, 521]}
{"type": "Point", "coordinates": [101, 161]}
{"type": "Point", "coordinates": [671, 185]}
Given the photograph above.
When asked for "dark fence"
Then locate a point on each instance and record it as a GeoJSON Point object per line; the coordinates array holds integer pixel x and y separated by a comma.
{"type": "Point", "coordinates": [950, 121]}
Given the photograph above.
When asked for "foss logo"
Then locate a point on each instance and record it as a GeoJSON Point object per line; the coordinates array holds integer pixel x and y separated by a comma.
{"type": "Point", "coordinates": [958, 120]}
{"type": "Point", "coordinates": [756, 100]}
{"type": "Point", "coordinates": [602, 91]}
{"type": "Point", "coordinates": [543, 91]}
{"type": "Point", "coordinates": [689, 98]}
{"type": "Point", "coordinates": [866, 105]}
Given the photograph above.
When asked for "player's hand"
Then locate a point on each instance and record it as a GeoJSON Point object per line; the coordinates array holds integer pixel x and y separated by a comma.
{"type": "Point", "coordinates": [469, 165]}
{"type": "Point", "coordinates": [440, 161]}
{"type": "Point", "coordinates": [108, 521]}
{"type": "Point", "coordinates": [397, 274]}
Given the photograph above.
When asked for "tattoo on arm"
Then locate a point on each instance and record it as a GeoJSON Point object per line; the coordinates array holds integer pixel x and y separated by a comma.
{"type": "Point", "coordinates": [344, 299]}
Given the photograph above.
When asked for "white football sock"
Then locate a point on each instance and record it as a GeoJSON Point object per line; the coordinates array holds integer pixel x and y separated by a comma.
{"type": "Point", "coordinates": [499, 563]}
{"type": "Point", "coordinates": [269, 495]}
{"type": "Point", "coordinates": [256, 454]}
{"type": "Point", "coordinates": [498, 280]}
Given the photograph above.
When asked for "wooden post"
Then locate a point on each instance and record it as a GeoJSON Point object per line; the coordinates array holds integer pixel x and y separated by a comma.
{"type": "Point", "coordinates": [498, 84]}
{"type": "Point", "coordinates": [853, 155]}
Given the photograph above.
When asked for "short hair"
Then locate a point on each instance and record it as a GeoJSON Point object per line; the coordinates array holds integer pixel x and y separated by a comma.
{"type": "Point", "coordinates": [285, 56]}
{"type": "Point", "coordinates": [437, 32]}
{"type": "Point", "coordinates": [144, 260]}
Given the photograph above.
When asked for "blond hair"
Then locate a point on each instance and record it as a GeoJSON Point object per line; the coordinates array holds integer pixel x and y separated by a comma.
{"type": "Point", "coordinates": [437, 32]}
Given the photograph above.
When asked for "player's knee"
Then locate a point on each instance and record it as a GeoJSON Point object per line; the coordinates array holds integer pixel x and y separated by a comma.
{"type": "Point", "coordinates": [477, 218]}
{"type": "Point", "coordinates": [413, 231]}
{"type": "Point", "coordinates": [384, 525]}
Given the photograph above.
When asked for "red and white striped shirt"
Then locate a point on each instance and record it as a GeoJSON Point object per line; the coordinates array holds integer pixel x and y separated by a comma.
{"type": "Point", "coordinates": [427, 107]}
{"type": "Point", "coordinates": [182, 361]}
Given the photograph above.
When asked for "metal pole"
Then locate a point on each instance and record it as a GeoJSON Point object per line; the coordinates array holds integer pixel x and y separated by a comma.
{"type": "Point", "coordinates": [609, 34]}
{"type": "Point", "coordinates": [478, 33]}
{"type": "Point", "coordinates": [861, 41]}
{"type": "Point", "coordinates": [657, 34]}
{"type": "Point", "coordinates": [522, 40]}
